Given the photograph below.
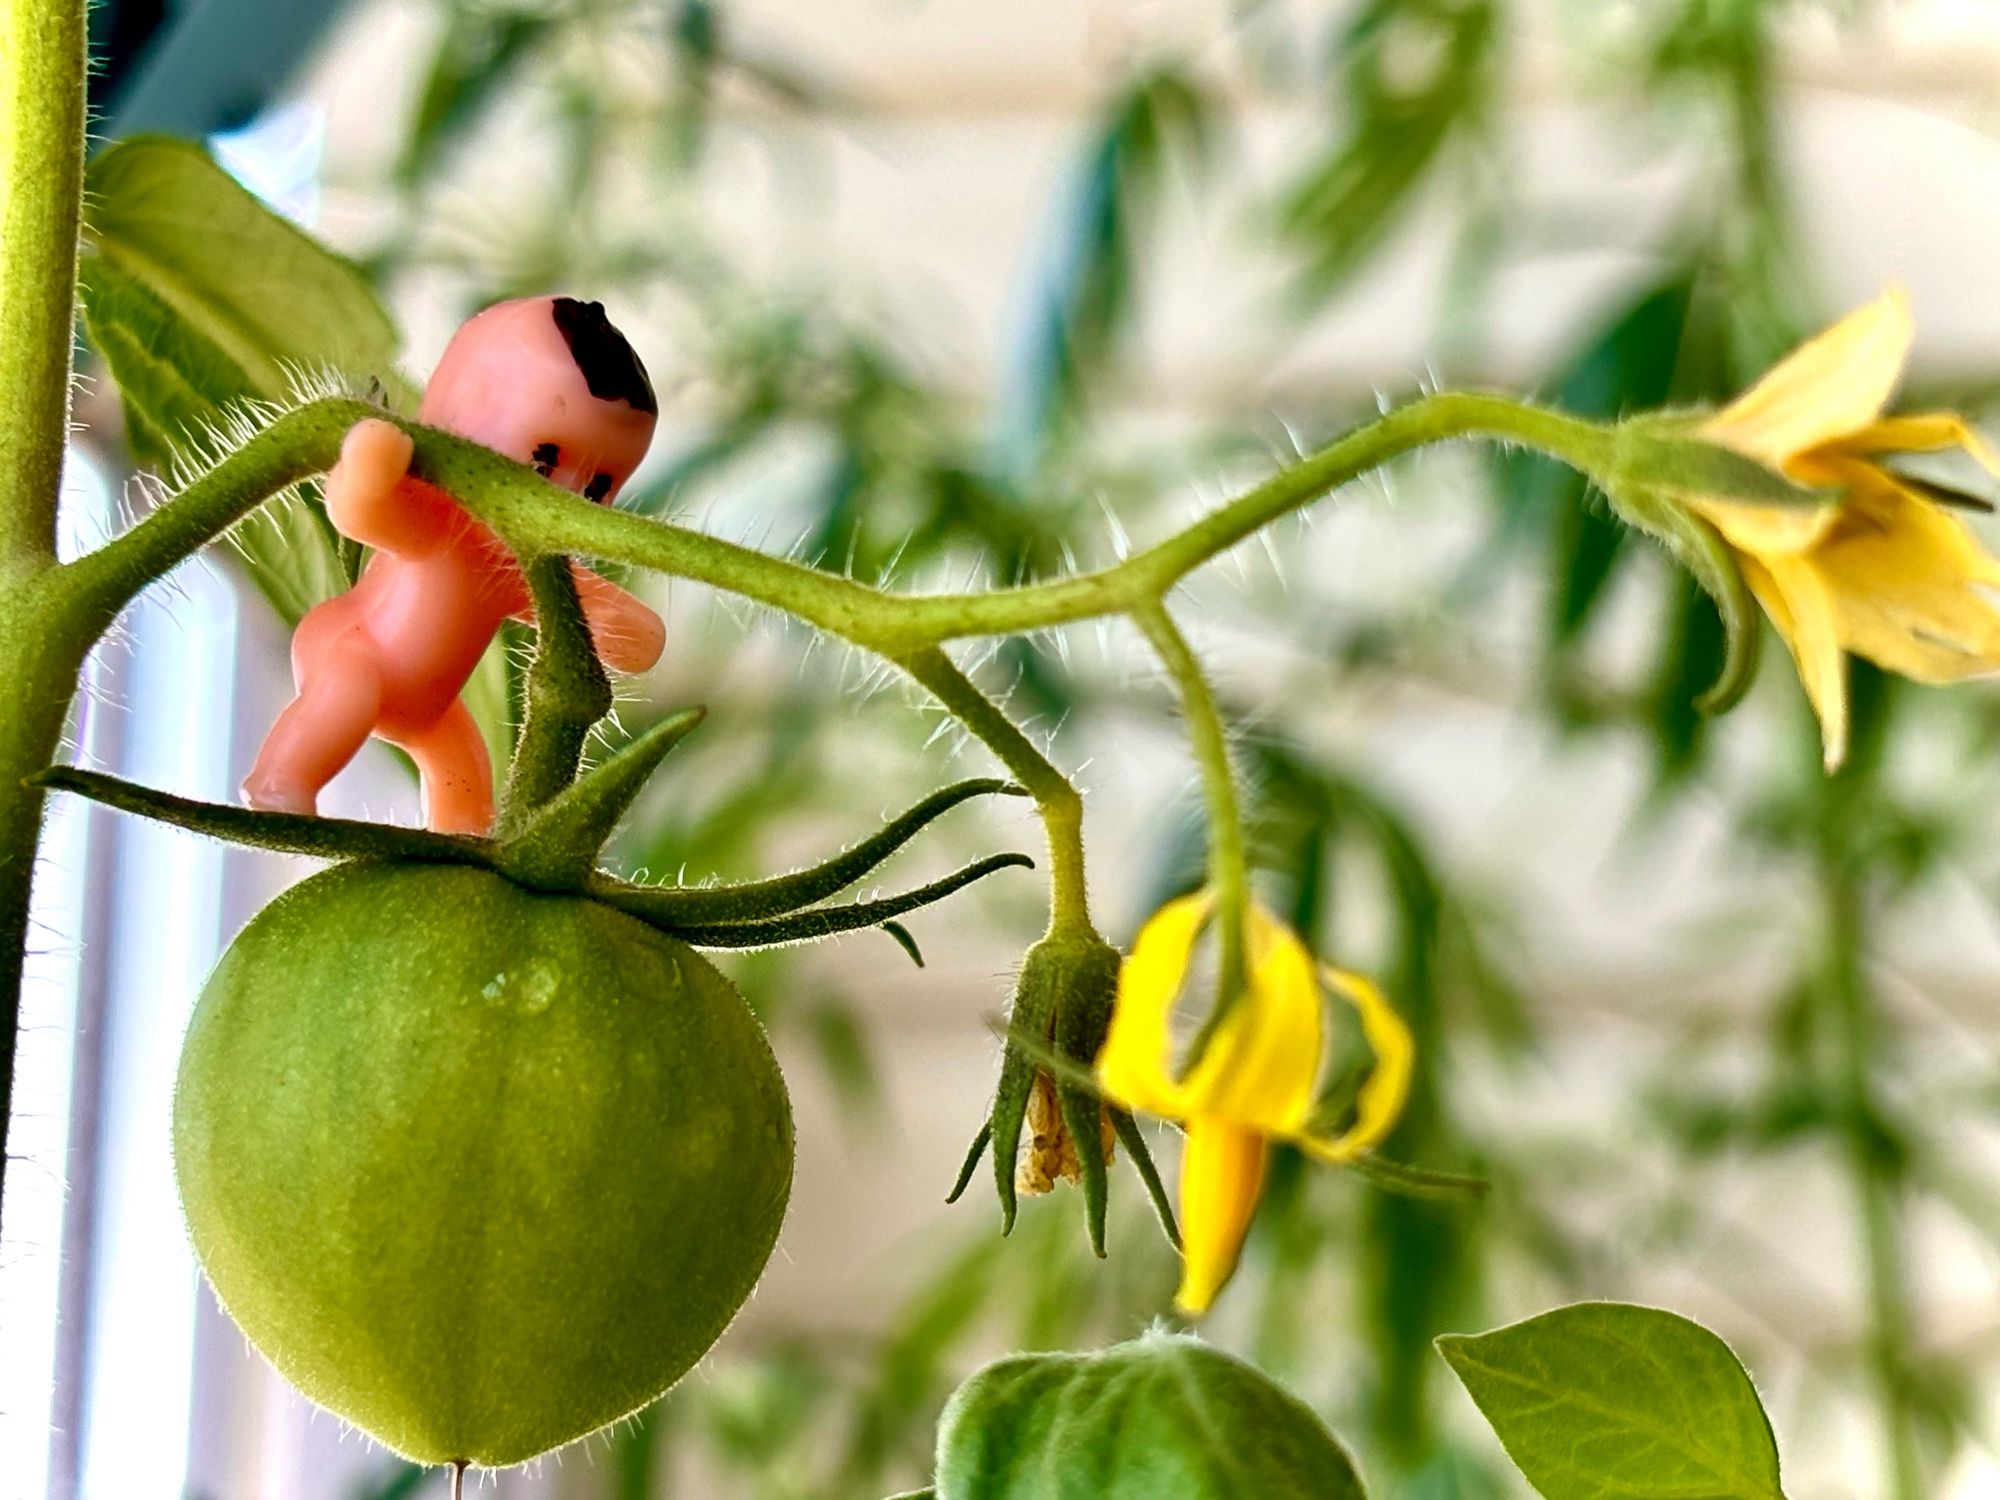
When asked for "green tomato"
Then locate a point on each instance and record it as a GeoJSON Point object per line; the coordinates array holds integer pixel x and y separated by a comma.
{"type": "Point", "coordinates": [478, 1169]}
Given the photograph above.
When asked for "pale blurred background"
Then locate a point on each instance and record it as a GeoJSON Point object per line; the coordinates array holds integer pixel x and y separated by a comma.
{"type": "Point", "coordinates": [941, 291]}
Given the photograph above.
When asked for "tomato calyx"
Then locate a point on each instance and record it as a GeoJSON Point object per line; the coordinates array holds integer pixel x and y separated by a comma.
{"type": "Point", "coordinates": [1055, 1029]}
{"type": "Point", "coordinates": [557, 845]}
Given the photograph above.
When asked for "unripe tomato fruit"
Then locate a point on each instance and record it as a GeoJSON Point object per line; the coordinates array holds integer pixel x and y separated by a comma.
{"type": "Point", "coordinates": [478, 1169]}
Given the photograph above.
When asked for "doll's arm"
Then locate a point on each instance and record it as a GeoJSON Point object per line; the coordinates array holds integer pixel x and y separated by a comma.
{"type": "Point", "coordinates": [366, 498]}
{"type": "Point", "coordinates": [627, 634]}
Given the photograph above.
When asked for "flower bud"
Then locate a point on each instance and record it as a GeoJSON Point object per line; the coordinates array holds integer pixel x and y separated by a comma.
{"type": "Point", "coordinates": [1055, 1028]}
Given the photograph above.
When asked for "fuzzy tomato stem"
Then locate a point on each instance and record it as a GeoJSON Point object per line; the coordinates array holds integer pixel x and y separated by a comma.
{"type": "Point", "coordinates": [41, 199]}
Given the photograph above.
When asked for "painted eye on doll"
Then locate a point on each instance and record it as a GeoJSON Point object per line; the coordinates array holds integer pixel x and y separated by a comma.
{"type": "Point", "coordinates": [598, 488]}
{"type": "Point", "coordinates": [545, 458]}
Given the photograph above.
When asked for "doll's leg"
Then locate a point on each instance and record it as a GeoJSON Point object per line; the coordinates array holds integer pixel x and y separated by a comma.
{"type": "Point", "coordinates": [457, 774]}
{"type": "Point", "coordinates": [340, 693]}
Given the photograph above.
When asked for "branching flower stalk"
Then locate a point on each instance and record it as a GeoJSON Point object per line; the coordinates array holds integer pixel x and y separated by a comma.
{"type": "Point", "coordinates": [52, 613]}
{"type": "Point", "coordinates": [50, 620]}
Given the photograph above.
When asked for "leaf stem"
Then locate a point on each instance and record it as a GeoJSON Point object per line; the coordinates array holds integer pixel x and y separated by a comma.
{"type": "Point", "coordinates": [1228, 865]}
{"type": "Point", "coordinates": [42, 56]}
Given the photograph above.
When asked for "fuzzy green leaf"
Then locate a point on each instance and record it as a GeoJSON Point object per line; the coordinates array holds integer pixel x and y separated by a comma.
{"type": "Point", "coordinates": [1160, 1418]}
{"type": "Point", "coordinates": [203, 302]}
{"type": "Point", "coordinates": [1606, 1401]}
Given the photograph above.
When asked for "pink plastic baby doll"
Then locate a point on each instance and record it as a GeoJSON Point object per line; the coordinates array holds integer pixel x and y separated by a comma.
{"type": "Point", "coordinates": [546, 380]}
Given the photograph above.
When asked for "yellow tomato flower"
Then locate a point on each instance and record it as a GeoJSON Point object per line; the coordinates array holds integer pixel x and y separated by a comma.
{"type": "Point", "coordinates": [1256, 1081]}
{"type": "Point", "coordinates": [1881, 570]}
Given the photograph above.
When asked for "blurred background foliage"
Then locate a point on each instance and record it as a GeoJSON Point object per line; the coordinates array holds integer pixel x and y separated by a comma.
{"type": "Point", "coordinates": [907, 481]}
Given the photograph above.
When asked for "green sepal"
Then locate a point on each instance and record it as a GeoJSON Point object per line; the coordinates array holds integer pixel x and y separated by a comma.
{"type": "Point", "coordinates": [1135, 1145]}
{"type": "Point", "coordinates": [801, 926]}
{"type": "Point", "coordinates": [1407, 1181]}
{"type": "Point", "coordinates": [560, 840]}
{"type": "Point", "coordinates": [1057, 1024]}
{"type": "Point", "coordinates": [1087, 986]}
{"type": "Point", "coordinates": [1668, 454]}
{"type": "Point", "coordinates": [971, 1163]}
{"type": "Point", "coordinates": [1033, 1012]}
{"type": "Point", "coordinates": [689, 905]}
{"type": "Point", "coordinates": [1699, 548]}
{"type": "Point", "coordinates": [281, 833]}
{"type": "Point", "coordinates": [905, 940]}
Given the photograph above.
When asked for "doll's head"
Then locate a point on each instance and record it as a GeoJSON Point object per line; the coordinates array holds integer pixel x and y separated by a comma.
{"type": "Point", "coordinates": [547, 381]}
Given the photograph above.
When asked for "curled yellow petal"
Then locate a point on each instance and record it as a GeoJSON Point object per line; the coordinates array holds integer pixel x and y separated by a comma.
{"type": "Point", "coordinates": [1261, 1067]}
{"type": "Point", "coordinates": [1881, 570]}
{"type": "Point", "coordinates": [1387, 1088]}
{"type": "Point", "coordinates": [1924, 432]}
{"type": "Point", "coordinates": [1222, 1177]}
{"type": "Point", "coordinates": [1831, 386]}
{"type": "Point", "coordinates": [1802, 612]}
{"type": "Point", "coordinates": [1768, 530]}
{"type": "Point", "coordinates": [1907, 581]}
{"type": "Point", "coordinates": [1135, 1067]}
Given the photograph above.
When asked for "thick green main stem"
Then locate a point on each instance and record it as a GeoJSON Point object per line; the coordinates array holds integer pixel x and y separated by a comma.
{"type": "Point", "coordinates": [41, 176]}
{"type": "Point", "coordinates": [42, 644]}
{"type": "Point", "coordinates": [43, 665]}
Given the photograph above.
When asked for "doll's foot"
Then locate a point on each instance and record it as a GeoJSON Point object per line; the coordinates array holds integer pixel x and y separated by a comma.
{"type": "Point", "coordinates": [266, 795]}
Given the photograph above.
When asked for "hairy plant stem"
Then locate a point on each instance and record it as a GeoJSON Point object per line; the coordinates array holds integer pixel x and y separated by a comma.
{"type": "Point", "coordinates": [1228, 867]}
{"type": "Point", "coordinates": [567, 693]}
{"type": "Point", "coordinates": [42, 643]}
{"type": "Point", "coordinates": [42, 668]}
{"type": "Point", "coordinates": [538, 517]}
{"type": "Point", "coordinates": [1058, 800]}
{"type": "Point", "coordinates": [41, 199]}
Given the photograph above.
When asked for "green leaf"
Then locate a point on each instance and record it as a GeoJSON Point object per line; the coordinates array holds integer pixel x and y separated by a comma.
{"type": "Point", "coordinates": [479, 51]}
{"type": "Point", "coordinates": [204, 302]}
{"type": "Point", "coordinates": [1342, 207]}
{"type": "Point", "coordinates": [1085, 291]}
{"type": "Point", "coordinates": [1606, 1401]}
{"type": "Point", "coordinates": [1164, 1417]}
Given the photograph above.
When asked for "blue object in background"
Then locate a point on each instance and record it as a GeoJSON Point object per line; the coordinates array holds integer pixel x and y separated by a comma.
{"type": "Point", "coordinates": [198, 67]}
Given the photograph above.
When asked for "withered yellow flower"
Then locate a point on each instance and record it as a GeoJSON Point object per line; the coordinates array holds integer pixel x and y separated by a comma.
{"type": "Point", "coordinates": [1882, 569]}
{"type": "Point", "coordinates": [1256, 1081]}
